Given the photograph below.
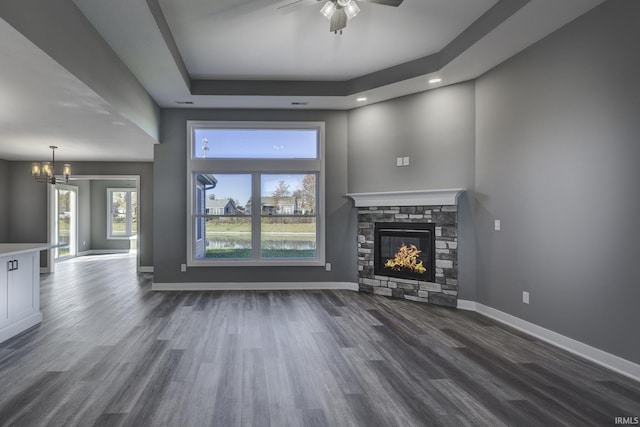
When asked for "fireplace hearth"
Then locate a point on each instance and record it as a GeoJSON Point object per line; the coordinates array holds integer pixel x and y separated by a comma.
{"type": "Point", "coordinates": [405, 251]}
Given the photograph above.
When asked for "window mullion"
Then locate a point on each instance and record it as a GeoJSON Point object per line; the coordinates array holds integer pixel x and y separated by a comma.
{"type": "Point", "coordinates": [256, 216]}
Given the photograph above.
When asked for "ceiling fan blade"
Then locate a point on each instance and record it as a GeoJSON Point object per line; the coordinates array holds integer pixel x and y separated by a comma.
{"type": "Point", "coordinates": [394, 3]}
{"type": "Point", "coordinates": [338, 20]}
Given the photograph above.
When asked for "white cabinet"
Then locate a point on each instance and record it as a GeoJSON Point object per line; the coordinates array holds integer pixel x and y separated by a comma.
{"type": "Point", "coordinates": [19, 293]}
{"type": "Point", "coordinates": [4, 291]}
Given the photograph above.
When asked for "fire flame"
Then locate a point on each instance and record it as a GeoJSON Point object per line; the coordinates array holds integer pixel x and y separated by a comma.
{"type": "Point", "coordinates": [406, 257]}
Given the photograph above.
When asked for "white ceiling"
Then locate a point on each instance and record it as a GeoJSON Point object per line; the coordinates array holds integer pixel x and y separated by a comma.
{"type": "Point", "coordinates": [42, 104]}
{"type": "Point", "coordinates": [258, 41]}
{"type": "Point", "coordinates": [190, 50]}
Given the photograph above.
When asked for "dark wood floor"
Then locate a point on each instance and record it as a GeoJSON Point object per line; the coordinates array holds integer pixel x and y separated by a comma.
{"type": "Point", "coordinates": [112, 352]}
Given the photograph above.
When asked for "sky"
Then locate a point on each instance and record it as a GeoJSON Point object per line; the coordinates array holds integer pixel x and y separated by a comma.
{"type": "Point", "coordinates": [256, 143]}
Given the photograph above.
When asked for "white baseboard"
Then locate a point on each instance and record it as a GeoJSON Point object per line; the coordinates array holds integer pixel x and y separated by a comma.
{"type": "Point", "coordinates": [103, 252]}
{"type": "Point", "coordinates": [466, 305]}
{"type": "Point", "coordinates": [600, 357]}
{"type": "Point", "coordinates": [254, 286]}
{"type": "Point", "coordinates": [145, 269]}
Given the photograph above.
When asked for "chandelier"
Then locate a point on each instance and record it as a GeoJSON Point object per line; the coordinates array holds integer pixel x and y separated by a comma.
{"type": "Point", "coordinates": [339, 12]}
{"type": "Point", "coordinates": [45, 172]}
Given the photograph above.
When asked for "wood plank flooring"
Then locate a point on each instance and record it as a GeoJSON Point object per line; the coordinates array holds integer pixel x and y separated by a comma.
{"type": "Point", "coordinates": [111, 352]}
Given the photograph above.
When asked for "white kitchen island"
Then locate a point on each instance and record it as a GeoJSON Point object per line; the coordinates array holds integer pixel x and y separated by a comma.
{"type": "Point", "coordinates": [19, 287]}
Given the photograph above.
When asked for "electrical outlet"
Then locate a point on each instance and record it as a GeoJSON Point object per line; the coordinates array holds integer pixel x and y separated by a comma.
{"type": "Point", "coordinates": [327, 266]}
{"type": "Point", "coordinates": [497, 225]}
{"type": "Point", "coordinates": [399, 161]}
{"type": "Point", "coordinates": [183, 267]}
{"type": "Point", "coordinates": [405, 161]}
{"type": "Point", "coordinates": [525, 297]}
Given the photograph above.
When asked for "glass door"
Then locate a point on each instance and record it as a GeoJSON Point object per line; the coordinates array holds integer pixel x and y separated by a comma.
{"type": "Point", "coordinates": [65, 221]}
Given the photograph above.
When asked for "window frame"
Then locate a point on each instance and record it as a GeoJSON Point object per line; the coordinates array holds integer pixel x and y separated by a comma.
{"type": "Point", "coordinates": [129, 214]}
{"type": "Point", "coordinates": [255, 167]}
{"type": "Point", "coordinates": [200, 225]}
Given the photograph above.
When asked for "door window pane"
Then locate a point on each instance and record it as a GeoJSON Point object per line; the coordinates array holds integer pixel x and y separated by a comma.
{"type": "Point", "coordinates": [66, 209]}
{"type": "Point", "coordinates": [119, 213]}
{"type": "Point", "coordinates": [122, 212]}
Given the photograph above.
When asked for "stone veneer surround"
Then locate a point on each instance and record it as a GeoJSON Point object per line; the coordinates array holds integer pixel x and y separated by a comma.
{"type": "Point", "coordinates": [445, 289]}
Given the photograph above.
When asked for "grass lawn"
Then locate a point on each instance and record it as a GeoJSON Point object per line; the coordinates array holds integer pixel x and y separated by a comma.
{"type": "Point", "coordinates": [266, 253]}
{"type": "Point", "coordinates": [267, 227]}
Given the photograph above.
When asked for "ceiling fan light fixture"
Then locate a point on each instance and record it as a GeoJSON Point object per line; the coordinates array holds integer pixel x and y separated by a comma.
{"type": "Point", "coordinates": [328, 9]}
{"type": "Point", "coordinates": [351, 9]}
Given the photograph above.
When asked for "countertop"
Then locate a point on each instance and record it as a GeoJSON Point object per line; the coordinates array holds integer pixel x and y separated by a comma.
{"type": "Point", "coordinates": [19, 248]}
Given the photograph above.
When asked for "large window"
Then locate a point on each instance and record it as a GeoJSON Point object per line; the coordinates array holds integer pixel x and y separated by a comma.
{"type": "Point", "coordinates": [255, 194]}
{"type": "Point", "coordinates": [122, 211]}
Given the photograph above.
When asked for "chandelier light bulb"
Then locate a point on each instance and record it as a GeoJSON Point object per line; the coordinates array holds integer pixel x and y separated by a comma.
{"type": "Point", "coordinates": [46, 169]}
{"type": "Point", "coordinates": [35, 169]}
{"type": "Point", "coordinates": [344, 3]}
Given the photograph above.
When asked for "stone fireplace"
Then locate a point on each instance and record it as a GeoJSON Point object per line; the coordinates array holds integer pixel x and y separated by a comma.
{"type": "Point", "coordinates": [420, 231]}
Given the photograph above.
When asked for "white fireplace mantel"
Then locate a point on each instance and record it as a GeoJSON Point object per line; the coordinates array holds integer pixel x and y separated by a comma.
{"type": "Point", "coordinates": [408, 198]}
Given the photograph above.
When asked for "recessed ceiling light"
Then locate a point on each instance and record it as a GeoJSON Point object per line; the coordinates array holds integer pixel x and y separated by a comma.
{"type": "Point", "coordinates": [435, 80]}
{"type": "Point", "coordinates": [361, 99]}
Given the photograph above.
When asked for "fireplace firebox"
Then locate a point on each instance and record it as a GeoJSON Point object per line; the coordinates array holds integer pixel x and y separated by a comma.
{"type": "Point", "coordinates": [405, 250]}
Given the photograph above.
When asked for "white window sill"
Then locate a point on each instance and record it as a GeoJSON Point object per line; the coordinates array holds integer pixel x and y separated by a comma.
{"type": "Point", "coordinates": [256, 263]}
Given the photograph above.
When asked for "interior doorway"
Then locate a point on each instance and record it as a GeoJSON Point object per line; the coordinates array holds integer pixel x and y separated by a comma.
{"type": "Point", "coordinates": [86, 235]}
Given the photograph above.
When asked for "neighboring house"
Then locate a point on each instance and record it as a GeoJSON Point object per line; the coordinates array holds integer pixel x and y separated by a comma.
{"type": "Point", "coordinates": [282, 206]}
{"type": "Point", "coordinates": [221, 207]}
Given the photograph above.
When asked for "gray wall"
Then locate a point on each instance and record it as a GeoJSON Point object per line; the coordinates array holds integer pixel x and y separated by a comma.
{"type": "Point", "coordinates": [557, 162]}
{"type": "Point", "coordinates": [170, 240]}
{"type": "Point", "coordinates": [28, 206]}
{"type": "Point", "coordinates": [436, 129]}
{"type": "Point", "coordinates": [4, 201]}
{"type": "Point", "coordinates": [99, 239]}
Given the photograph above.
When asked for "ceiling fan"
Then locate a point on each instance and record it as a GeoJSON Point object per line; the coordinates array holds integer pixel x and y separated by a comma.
{"type": "Point", "coordinates": [341, 11]}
